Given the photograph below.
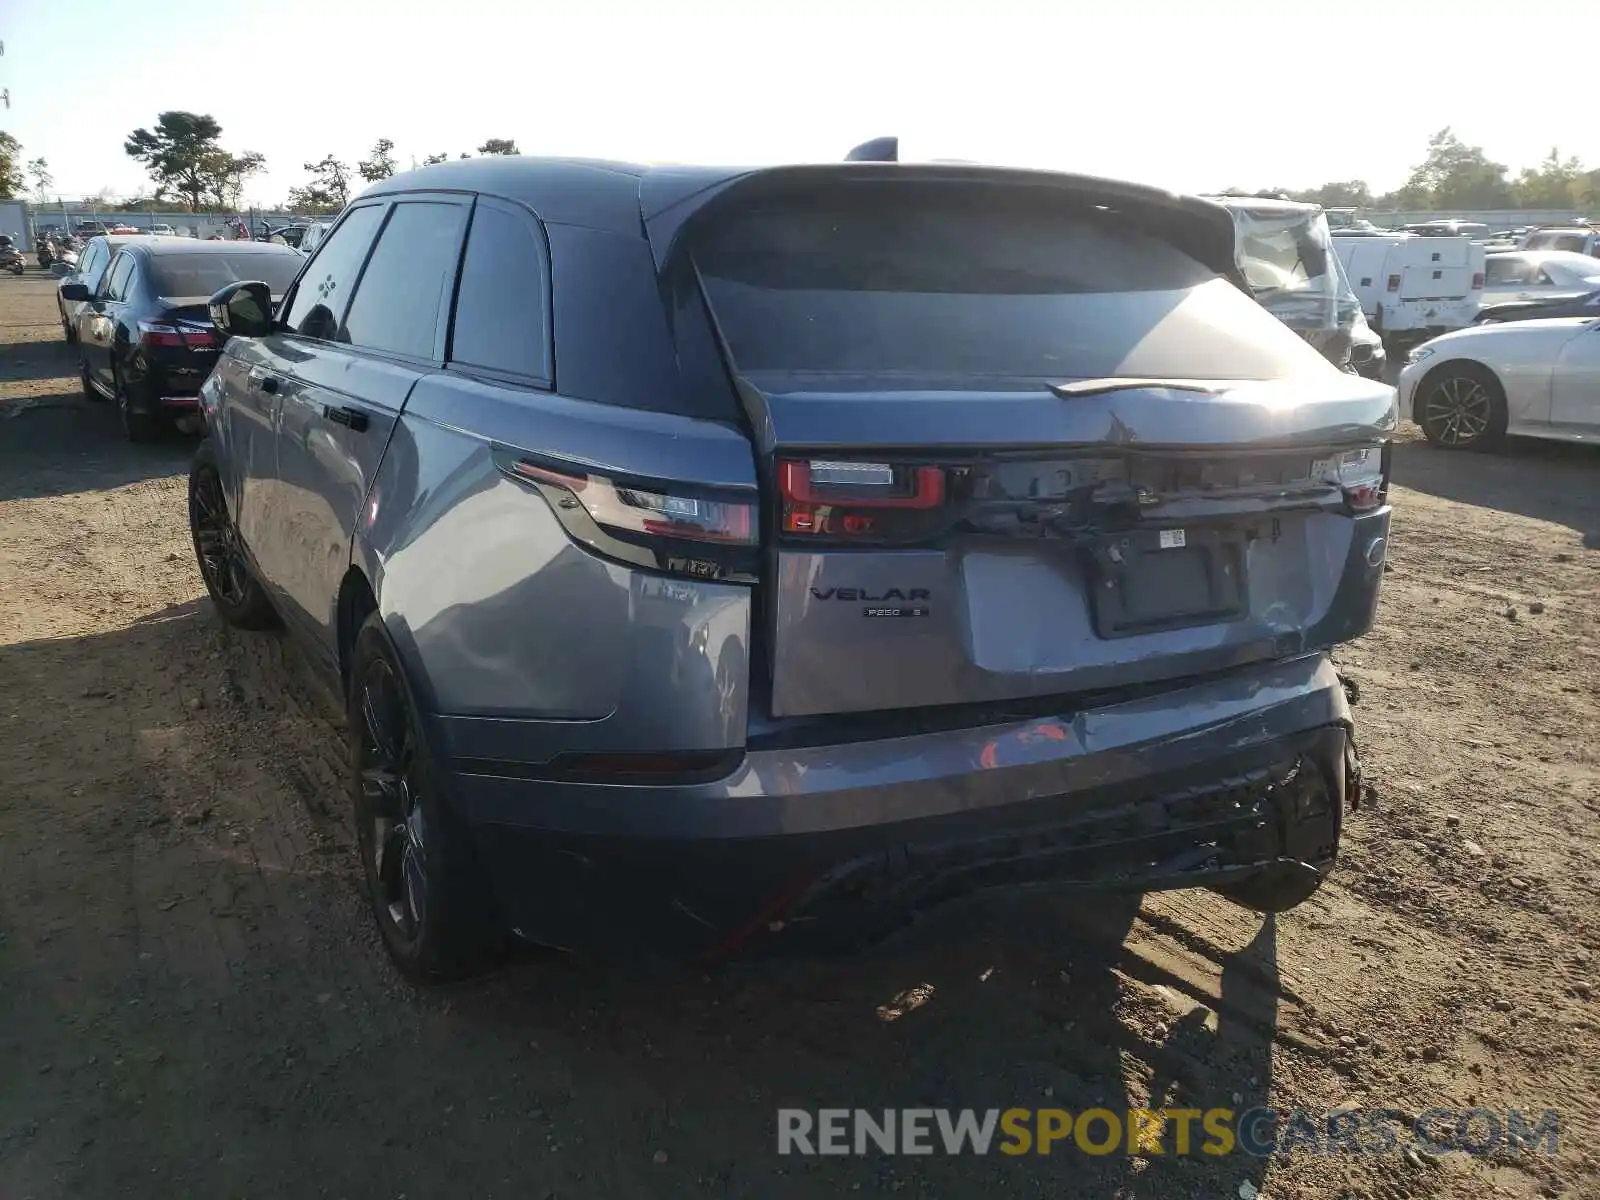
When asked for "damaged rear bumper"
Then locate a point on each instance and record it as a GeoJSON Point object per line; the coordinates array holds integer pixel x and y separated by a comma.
{"type": "Point", "coordinates": [1195, 786]}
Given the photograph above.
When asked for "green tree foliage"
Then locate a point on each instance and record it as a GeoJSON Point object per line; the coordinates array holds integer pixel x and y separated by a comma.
{"type": "Point", "coordinates": [499, 146]}
{"type": "Point", "coordinates": [1555, 183]}
{"type": "Point", "coordinates": [182, 154]}
{"type": "Point", "coordinates": [381, 163]}
{"type": "Point", "coordinates": [434, 158]}
{"type": "Point", "coordinates": [12, 181]}
{"type": "Point", "coordinates": [39, 175]}
{"type": "Point", "coordinates": [328, 191]}
{"type": "Point", "coordinates": [1456, 175]}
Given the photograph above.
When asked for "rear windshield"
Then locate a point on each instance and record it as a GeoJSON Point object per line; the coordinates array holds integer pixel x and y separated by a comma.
{"type": "Point", "coordinates": [203, 274]}
{"type": "Point", "coordinates": [969, 282]}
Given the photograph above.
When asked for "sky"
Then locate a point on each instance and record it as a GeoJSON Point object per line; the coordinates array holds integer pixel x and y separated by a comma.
{"type": "Point", "coordinates": [1186, 95]}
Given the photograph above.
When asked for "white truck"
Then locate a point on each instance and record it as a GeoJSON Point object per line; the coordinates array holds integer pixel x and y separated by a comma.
{"type": "Point", "coordinates": [1414, 288]}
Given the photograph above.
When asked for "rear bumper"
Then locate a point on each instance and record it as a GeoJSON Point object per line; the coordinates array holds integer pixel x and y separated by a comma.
{"type": "Point", "coordinates": [1193, 786]}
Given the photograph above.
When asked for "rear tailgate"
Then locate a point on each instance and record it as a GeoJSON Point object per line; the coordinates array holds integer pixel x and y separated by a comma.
{"type": "Point", "coordinates": [1020, 449]}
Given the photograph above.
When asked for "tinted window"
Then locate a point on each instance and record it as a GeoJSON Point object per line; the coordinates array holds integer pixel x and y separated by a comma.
{"type": "Point", "coordinates": [1506, 271]}
{"type": "Point", "coordinates": [948, 282]}
{"type": "Point", "coordinates": [501, 318]}
{"type": "Point", "coordinates": [92, 265]}
{"type": "Point", "coordinates": [201, 274]}
{"type": "Point", "coordinates": [117, 282]}
{"type": "Point", "coordinates": [407, 282]}
{"type": "Point", "coordinates": [324, 290]}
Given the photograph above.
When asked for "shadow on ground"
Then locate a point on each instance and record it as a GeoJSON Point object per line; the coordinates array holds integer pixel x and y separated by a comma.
{"type": "Point", "coordinates": [231, 1025]}
{"type": "Point", "coordinates": [58, 442]}
{"type": "Point", "coordinates": [1548, 481]}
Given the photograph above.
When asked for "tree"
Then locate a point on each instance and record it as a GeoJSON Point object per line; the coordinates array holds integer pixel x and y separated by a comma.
{"type": "Point", "coordinates": [1554, 183]}
{"type": "Point", "coordinates": [39, 172]}
{"type": "Point", "coordinates": [11, 178]}
{"type": "Point", "coordinates": [1456, 175]}
{"type": "Point", "coordinates": [498, 146]}
{"type": "Point", "coordinates": [330, 181]}
{"type": "Point", "coordinates": [434, 158]}
{"type": "Point", "coordinates": [225, 174]}
{"type": "Point", "coordinates": [381, 164]}
{"type": "Point", "coordinates": [179, 153]}
{"type": "Point", "coordinates": [1347, 193]}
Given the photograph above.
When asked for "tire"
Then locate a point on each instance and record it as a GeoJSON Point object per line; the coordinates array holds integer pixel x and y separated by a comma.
{"type": "Point", "coordinates": [428, 896]}
{"type": "Point", "coordinates": [1461, 406]}
{"type": "Point", "coordinates": [240, 600]}
{"type": "Point", "coordinates": [137, 427]}
{"type": "Point", "coordinates": [1274, 890]}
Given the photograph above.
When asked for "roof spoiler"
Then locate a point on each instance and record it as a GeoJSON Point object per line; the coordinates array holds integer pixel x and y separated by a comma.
{"type": "Point", "coordinates": [883, 149]}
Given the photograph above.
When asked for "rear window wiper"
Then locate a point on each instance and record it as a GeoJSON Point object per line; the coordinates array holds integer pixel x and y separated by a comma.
{"type": "Point", "coordinates": [1097, 387]}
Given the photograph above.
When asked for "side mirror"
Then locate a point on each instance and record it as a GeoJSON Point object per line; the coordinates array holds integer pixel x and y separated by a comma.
{"type": "Point", "coordinates": [242, 309]}
{"type": "Point", "coordinates": [75, 292]}
{"type": "Point", "coordinates": [60, 270]}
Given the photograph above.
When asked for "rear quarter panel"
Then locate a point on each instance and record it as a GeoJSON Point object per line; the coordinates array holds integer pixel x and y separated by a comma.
{"type": "Point", "coordinates": [500, 615]}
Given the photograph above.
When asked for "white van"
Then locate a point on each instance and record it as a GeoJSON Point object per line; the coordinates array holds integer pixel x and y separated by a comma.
{"type": "Point", "coordinates": [1414, 288]}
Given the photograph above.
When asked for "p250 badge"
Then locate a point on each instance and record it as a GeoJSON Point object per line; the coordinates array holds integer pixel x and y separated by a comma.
{"type": "Point", "coordinates": [891, 602]}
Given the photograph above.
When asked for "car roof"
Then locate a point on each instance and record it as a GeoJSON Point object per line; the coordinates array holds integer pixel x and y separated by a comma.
{"type": "Point", "coordinates": [1561, 258]}
{"type": "Point", "coordinates": [602, 194]}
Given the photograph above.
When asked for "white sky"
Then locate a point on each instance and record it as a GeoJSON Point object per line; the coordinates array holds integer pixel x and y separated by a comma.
{"type": "Point", "coordinates": [1196, 96]}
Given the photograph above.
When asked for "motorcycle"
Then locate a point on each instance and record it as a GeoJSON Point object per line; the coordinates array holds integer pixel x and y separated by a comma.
{"type": "Point", "coordinates": [46, 254]}
{"type": "Point", "coordinates": [11, 260]}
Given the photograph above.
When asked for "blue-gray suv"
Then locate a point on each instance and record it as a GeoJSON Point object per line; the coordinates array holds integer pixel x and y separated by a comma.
{"type": "Point", "coordinates": [722, 558]}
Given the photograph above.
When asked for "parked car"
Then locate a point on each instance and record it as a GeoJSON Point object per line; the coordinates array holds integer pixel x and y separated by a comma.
{"type": "Point", "coordinates": [93, 260]}
{"type": "Point", "coordinates": [1367, 354]}
{"type": "Point", "coordinates": [162, 228]}
{"type": "Point", "coordinates": [1586, 305]}
{"type": "Point", "coordinates": [144, 335]}
{"type": "Point", "coordinates": [1577, 238]}
{"type": "Point", "coordinates": [1471, 388]}
{"type": "Point", "coordinates": [1519, 276]}
{"type": "Point", "coordinates": [673, 607]}
{"type": "Point", "coordinates": [1286, 253]}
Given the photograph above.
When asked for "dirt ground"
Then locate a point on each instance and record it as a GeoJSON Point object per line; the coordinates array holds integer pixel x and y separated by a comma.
{"type": "Point", "coordinates": [193, 1001]}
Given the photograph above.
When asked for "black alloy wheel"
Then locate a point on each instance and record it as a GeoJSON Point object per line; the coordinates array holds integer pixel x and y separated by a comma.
{"type": "Point", "coordinates": [219, 552]}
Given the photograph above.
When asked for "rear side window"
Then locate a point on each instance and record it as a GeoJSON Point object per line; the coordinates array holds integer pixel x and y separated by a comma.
{"type": "Point", "coordinates": [949, 280]}
{"type": "Point", "coordinates": [117, 282]}
{"type": "Point", "coordinates": [1504, 271]}
{"type": "Point", "coordinates": [407, 283]}
{"type": "Point", "coordinates": [324, 290]}
{"type": "Point", "coordinates": [502, 319]}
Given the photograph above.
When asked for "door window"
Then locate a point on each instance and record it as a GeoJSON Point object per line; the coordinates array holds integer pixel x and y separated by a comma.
{"type": "Point", "coordinates": [323, 293]}
{"type": "Point", "coordinates": [406, 286]}
{"type": "Point", "coordinates": [117, 278]}
{"type": "Point", "coordinates": [93, 264]}
{"type": "Point", "coordinates": [502, 319]}
{"type": "Point", "coordinates": [1508, 272]}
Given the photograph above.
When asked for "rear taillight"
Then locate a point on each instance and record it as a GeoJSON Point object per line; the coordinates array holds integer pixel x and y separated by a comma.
{"type": "Point", "coordinates": [1394, 283]}
{"type": "Point", "coordinates": [180, 337]}
{"type": "Point", "coordinates": [1477, 282]}
{"type": "Point", "coordinates": [825, 498]}
{"type": "Point", "coordinates": [688, 530]}
{"type": "Point", "coordinates": [1361, 475]}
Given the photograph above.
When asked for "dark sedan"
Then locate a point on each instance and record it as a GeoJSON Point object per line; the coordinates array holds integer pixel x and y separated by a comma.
{"type": "Point", "coordinates": [1586, 305]}
{"type": "Point", "coordinates": [144, 335]}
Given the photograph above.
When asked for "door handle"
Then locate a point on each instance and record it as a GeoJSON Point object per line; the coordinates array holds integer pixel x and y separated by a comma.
{"type": "Point", "coordinates": [350, 418]}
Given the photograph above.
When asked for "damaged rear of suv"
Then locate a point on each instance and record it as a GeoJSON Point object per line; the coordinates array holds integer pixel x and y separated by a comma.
{"type": "Point", "coordinates": [874, 534]}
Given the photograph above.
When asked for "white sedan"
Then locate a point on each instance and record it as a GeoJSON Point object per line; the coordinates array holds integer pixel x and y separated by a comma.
{"type": "Point", "coordinates": [1470, 388]}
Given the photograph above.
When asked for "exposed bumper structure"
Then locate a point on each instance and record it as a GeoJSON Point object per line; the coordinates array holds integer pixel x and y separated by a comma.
{"type": "Point", "coordinates": [1196, 785]}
